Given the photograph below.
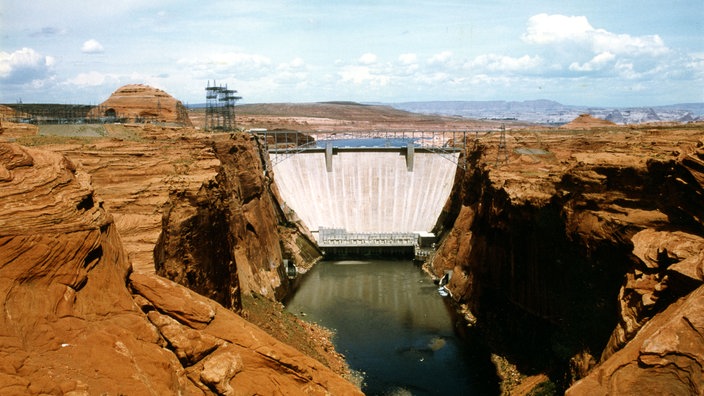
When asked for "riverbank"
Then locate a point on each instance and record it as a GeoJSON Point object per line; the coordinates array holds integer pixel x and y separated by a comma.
{"type": "Point", "coordinates": [309, 338]}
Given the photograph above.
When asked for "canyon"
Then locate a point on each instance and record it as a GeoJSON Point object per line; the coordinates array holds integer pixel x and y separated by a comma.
{"type": "Point", "coordinates": [150, 259]}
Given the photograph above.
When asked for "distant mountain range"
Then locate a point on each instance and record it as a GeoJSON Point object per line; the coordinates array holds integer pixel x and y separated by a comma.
{"type": "Point", "coordinates": [551, 112]}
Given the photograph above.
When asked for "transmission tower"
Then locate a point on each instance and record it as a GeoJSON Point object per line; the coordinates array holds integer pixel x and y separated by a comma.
{"type": "Point", "coordinates": [502, 152]}
{"type": "Point", "coordinates": [220, 107]}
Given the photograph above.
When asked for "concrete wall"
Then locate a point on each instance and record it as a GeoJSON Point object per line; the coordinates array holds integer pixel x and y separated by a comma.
{"type": "Point", "coordinates": [367, 191]}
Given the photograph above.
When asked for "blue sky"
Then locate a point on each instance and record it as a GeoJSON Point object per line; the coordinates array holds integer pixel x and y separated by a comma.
{"type": "Point", "coordinates": [598, 53]}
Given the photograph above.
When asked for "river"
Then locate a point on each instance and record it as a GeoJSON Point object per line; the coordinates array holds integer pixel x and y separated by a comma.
{"type": "Point", "coordinates": [394, 328]}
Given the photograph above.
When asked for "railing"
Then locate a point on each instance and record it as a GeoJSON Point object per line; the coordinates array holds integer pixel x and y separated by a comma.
{"type": "Point", "coordinates": [328, 237]}
{"type": "Point", "coordinates": [287, 143]}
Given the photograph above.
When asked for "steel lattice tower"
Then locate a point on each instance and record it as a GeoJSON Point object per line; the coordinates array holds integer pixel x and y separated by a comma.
{"type": "Point", "coordinates": [220, 107]}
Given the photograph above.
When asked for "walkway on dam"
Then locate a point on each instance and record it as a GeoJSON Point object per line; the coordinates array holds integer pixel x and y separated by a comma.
{"type": "Point", "coordinates": [367, 190]}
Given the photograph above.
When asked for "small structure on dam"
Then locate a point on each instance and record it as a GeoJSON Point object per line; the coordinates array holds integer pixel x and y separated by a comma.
{"type": "Point", "coordinates": [360, 193]}
{"type": "Point", "coordinates": [337, 242]}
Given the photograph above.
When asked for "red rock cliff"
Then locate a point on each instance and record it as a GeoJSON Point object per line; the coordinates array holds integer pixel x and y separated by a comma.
{"type": "Point", "coordinates": [230, 236]}
{"type": "Point", "coordinates": [74, 320]}
{"type": "Point", "coordinates": [566, 251]}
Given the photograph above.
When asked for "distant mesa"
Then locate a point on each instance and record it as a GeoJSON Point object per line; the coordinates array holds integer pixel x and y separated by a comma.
{"type": "Point", "coordinates": [586, 121]}
{"type": "Point", "coordinates": [142, 103]}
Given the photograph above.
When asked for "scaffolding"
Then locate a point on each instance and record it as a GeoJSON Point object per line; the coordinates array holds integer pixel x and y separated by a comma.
{"type": "Point", "coordinates": [220, 107]}
{"type": "Point", "coordinates": [52, 113]}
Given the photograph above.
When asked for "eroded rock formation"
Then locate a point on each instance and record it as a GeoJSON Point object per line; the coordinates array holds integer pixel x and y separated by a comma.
{"type": "Point", "coordinates": [141, 103]}
{"type": "Point", "coordinates": [586, 121]}
{"type": "Point", "coordinates": [664, 357]}
{"type": "Point", "coordinates": [75, 319]}
{"type": "Point", "coordinates": [134, 171]}
{"type": "Point", "coordinates": [566, 251]}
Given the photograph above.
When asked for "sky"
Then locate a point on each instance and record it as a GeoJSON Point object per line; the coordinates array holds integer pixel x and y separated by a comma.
{"type": "Point", "coordinates": [592, 53]}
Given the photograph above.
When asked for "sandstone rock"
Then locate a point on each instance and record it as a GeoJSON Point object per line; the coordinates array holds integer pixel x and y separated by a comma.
{"type": "Point", "coordinates": [543, 253]}
{"type": "Point", "coordinates": [673, 262]}
{"type": "Point", "coordinates": [231, 236]}
{"type": "Point", "coordinates": [6, 113]}
{"type": "Point", "coordinates": [188, 308]}
{"type": "Point", "coordinates": [137, 102]}
{"type": "Point", "coordinates": [189, 345]}
{"type": "Point", "coordinates": [69, 324]}
{"type": "Point", "coordinates": [10, 130]}
{"type": "Point", "coordinates": [682, 252]}
{"type": "Point", "coordinates": [665, 357]}
{"type": "Point", "coordinates": [586, 121]}
{"type": "Point", "coordinates": [134, 179]}
{"type": "Point", "coordinates": [219, 369]}
{"type": "Point", "coordinates": [247, 359]}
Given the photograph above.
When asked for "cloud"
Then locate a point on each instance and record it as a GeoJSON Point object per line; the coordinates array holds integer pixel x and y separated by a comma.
{"type": "Point", "coordinates": [24, 65]}
{"type": "Point", "coordinates": [548, 29]}
{"type": "Point", "coordinates": [363, 74]}
{"type": "Point", "coordinates": [598, 62]}
{"type": "Point", "coordinates": [367, 59]}
{"type": "Point", "coordinates": [503, 63]}
{"type": "Point", "coordinates": [229, 62]}
{"type": "Point", "coordinates": [295, 64]}
{"type": "Point", "coordinates": [695, 64]}
{"type": "Point", "coordinates": [293, 72]}
{"type": "Point", "coordinates": [544, 29]}
{"type": "Point", "coordinates": [651, 45]}
{"type": "Point", "coordinates": [441, 58]}
{"type": "Point", "coordinates": [91, 79]}
{"type": "Point", "coordinates": [408, 59]}
{"type": "Point", "coordinates": [48, 31]}
{"type": "Point", "coordinates": [92, 46]}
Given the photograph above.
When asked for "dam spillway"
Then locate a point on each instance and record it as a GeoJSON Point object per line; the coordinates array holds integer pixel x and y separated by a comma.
{"type": "Point", "coordinates": [366, 190]}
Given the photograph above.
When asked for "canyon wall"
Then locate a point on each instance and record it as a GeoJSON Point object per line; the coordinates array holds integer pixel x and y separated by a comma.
{"type": "Point", "coordinates": [77, 320]}
{"type": "Point", "coordinates": [564, 252]}
{"type": "Point", "coordinates": [230, 235]}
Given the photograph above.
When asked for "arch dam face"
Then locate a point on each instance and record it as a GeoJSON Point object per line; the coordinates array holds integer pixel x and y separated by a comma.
{"type": "Point", "coordinates": [364, 192]}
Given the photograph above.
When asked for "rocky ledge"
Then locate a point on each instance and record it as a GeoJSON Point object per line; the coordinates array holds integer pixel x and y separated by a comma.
{"type": "Point", "coordinates": [76, 320]}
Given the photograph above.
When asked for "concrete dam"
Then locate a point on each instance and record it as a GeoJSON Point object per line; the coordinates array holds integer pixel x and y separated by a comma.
{"type": "Point", "coordinates": [366, 195]}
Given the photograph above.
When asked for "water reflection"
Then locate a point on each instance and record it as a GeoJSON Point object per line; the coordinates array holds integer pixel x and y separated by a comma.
{"type": "Point", "coordinates": [392, 326]}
